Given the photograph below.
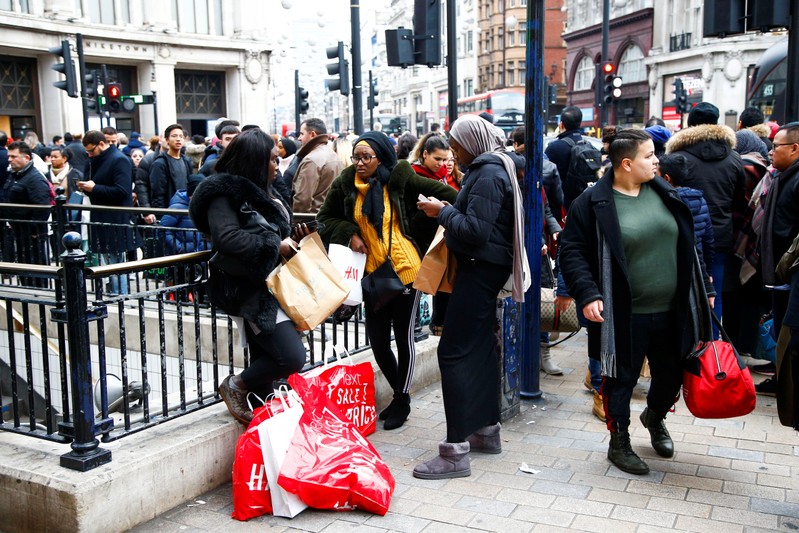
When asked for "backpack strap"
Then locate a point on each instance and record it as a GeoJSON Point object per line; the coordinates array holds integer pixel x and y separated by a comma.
{"type": "Point", "coordinates": [569, 141]}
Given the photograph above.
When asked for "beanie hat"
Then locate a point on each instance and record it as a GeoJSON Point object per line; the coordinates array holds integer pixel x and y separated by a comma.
{"type": "Point", "coordinates": [703, 113]}
{"type": "Point", "coordinates": [659, 134]}
{"type": "Point", "coordinates": [747, 141]}
{"type": "Point", "coordinates": [289, 146]}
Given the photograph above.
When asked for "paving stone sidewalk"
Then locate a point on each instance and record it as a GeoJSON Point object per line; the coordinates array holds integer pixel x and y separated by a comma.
{"type": "Point", "coordinates": [731, 476]}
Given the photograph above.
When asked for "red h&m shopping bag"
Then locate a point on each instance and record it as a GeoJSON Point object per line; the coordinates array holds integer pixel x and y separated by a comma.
{"type": "Point", "coordinates": [350, 386]}
{"type": "Point", "coordinates": [251, 495]}
{"type": "Point", "coordinates": [331, 465]}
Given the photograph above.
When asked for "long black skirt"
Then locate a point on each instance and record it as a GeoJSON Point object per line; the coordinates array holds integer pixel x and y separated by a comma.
{"type": "Point", "coordinates": [467, 352]}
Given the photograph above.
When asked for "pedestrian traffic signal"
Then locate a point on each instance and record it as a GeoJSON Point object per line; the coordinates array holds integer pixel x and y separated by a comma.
{"type": "Point", "coordinates": [608, 70]}
{"type": "Point", "coordinates": [70, 82]}
{"type": "Point", "coordinates": [340, 68]}
{"type": "Point", "coordinates": [371, 101]}
{"type": "Point", "coordinates": [301, 101]}
{"type": "Point", "coordinates": [113, 97]}
{"type": "Point", "coordinates": [617, 83]}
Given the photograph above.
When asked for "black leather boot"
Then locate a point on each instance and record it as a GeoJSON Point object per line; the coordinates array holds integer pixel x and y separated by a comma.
{"type": "Point", "coordinates": [621, 454]}
{"type": "Point", "coordinates": [399, 410]}
{"type": "Point", "coordinates": [659, 435]}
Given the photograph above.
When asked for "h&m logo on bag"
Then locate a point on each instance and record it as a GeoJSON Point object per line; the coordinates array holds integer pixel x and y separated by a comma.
{"type": "Point", "coordinates": [351, 273]}
{"type": "Point", "coordinates": [258, 478]}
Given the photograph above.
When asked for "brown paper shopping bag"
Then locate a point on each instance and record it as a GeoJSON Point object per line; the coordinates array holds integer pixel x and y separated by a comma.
{"type": "Point", "coordinates": [308, 287]}
{"type": "Point", "coordinates": [438, 269]}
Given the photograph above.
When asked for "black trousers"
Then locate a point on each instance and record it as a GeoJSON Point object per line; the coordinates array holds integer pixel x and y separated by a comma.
{"type": "Point", "coordinates": [272, 356]}
{"type": "Point", "coordinates": [467, 353]}
{"type": "Point", "coordinates": [656, 337]}
{"type": "Point", "coordinates": [401, 313]}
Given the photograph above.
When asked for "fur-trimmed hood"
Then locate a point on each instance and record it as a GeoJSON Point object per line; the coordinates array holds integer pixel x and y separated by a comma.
{"type": "Point", "coordinates": [240, 190]}
{"type": "Point", "coordinates": [761, 130]}
{"type": "Point", "coordinates": [708, 142]}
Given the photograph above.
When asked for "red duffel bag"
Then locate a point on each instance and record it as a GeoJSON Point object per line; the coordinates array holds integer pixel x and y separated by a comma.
{"type": "Point", "coordinates": [716, 382]}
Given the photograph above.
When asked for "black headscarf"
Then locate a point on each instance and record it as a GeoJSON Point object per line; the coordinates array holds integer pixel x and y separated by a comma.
{"type": "Point", "coordinates": [373, 207]}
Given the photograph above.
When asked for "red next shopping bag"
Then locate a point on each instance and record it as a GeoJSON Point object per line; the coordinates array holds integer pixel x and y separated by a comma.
{"type": "Point", "coordinates": [350, 386]}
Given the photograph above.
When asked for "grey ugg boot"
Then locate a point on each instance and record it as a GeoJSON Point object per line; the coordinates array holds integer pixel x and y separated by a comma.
{"type": "Point", "coordinates": [486, 440]}
{"type": "Point", "coordinates": [547, 365]}
{"type": "Point", "coordinates": [452, 461]}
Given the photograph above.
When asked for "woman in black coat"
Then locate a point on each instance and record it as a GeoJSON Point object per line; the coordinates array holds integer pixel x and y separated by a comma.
{"type": "Point", "coordinates": [480, 232]}
{"type": "Point", "coordinates": [628, 257]}
{"type": "Point", "coordinates": [249, 227]}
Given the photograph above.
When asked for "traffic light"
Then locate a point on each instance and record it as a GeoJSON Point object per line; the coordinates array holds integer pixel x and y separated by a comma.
{"type": "Point", "coordinates": [399, 47]}
{"type": "Point", "coordinates": [340, 68]}
{"type": "Point", "coordinates": [724, 17]}
{"type": "Point", "coordinates": [371, 101]}
{"type": "Point", "coordinates": [90, 91]}
{"type": "Point", "coordinates": [681, 104]}
{"type": "Point", "coordinates": [113, 97]}
{"type": "Point", "coordinates": [70, 82]}
{"type": "Point", "coordinates": [608, 70]}
{"type": "Point", "coordinates": [427, 32]}
{"type": "Point", "coordinates": [301, 99]}
{"type": "Point", "coordinates": [617, 83]}
{"type": "Point", "coordinates": [553, 93]}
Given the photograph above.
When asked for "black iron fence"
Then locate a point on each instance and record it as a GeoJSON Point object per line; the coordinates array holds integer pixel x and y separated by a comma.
{"type": "Point", "coordinates": [93, 352]}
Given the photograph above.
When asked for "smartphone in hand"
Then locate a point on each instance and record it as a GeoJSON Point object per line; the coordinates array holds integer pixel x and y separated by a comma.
{"type": "Point", "coordinates": [423, 198]}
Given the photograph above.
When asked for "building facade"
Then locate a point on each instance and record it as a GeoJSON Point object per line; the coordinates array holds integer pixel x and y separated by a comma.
{"type": "Point", "coordinates": [201, 60]}
{"type": "Point", "coordinates": [629, 43]}
{"type": "Point", "coordinates": [712, 70]}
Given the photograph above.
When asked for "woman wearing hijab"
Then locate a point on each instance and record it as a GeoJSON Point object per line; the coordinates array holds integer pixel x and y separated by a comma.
{"type": "Point", "coordinates": [371, 207]}
{"type": "Point", "coordinates": [483, 230]}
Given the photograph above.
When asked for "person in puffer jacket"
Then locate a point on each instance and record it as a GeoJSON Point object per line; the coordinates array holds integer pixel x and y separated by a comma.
{"type": "Point", "coordinates": [178, 241]}
{"type": "Point", "coordinates": [674, 168]}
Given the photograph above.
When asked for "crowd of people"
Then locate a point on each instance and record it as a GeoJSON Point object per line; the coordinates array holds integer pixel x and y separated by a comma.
{"type": "Point", "coordinates": [626, 227]}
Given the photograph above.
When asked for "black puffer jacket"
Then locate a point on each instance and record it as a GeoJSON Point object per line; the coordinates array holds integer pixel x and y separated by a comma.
{"type": "Point", "coordinates": [215, 210]}
{"type": "Point", "coordinates": [716, 170]}
{"type": "Point", "coordinates": [480, 224]}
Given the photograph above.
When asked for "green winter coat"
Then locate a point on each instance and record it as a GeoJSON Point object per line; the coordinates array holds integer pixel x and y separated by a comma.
{"type": "Point", "coordinates": [404, 188]}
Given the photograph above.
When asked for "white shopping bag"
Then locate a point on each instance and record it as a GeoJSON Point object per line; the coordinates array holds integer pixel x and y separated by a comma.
{"type": "Point", "coordinates": [351, 266]}
{"type": "Point", "coordinates": [276, 434]}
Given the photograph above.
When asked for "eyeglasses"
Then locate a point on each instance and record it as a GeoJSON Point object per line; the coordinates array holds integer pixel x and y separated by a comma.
{"type": "Point", "coordinates": [777, 145]}
{"type": "Point", "coordinates": [365, 159]}
{"type": "Point", "coordinates": [91, 150]}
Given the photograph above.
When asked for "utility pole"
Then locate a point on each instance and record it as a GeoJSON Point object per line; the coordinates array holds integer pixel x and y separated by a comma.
{"type": "Point", "coordinates": [605, 57]}
{"type": "Point", "coordinates": [534, 130]}
{"type": "Point", "coordinates": [357, 84]}
{"type": "Point", "coordinates": [82, 74]}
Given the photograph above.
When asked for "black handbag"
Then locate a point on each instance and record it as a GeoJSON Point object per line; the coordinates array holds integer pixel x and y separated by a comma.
{"type": "Point", "coordinates": [383, 284]}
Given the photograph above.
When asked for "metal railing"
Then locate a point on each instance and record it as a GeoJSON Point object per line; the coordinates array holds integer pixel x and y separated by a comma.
{"type": "Point", "coordinates": [69, 348]}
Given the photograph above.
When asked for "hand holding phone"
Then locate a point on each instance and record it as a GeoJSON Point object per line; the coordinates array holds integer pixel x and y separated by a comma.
{"type": "Point", "coordinates": [423, 198]}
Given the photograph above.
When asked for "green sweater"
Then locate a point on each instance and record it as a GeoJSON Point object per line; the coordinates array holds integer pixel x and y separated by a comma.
{"type": "Point", "coordinates": [649, 233]}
